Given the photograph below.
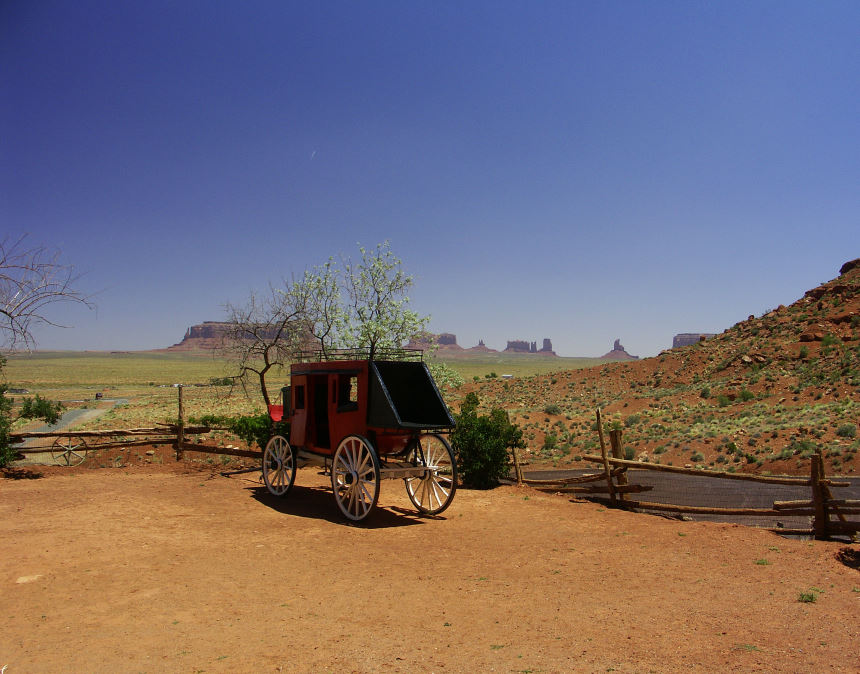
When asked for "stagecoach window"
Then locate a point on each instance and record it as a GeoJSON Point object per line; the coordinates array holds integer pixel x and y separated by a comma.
{"type": "Point", "coordinates": [300, 397]}
{"type": "Point", "coordinates": [347, 393]}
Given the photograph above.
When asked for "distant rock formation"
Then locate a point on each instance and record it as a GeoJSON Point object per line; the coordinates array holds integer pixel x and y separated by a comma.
{"type": "Point", "coordinates": [208, 336]}
{"type": "Point", "coordinates": [445, 341]}
{"type": "Point", "coordinates": [522, 346]}
{"type": "Point", "coordinates": [517, 346]}
{"type": "Point", "coordinates": [204, 336]}
{"type": "Point", "coordinates": [482, 348]}
{"type": "Point", "coordinates": [618, 353]}
{"type": "Point", "coordinates": [688, 338]}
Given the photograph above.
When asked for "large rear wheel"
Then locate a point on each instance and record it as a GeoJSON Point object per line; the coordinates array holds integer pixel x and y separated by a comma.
{"type": "Point", "coordinates": [279, 466]}
{"type": "Point", "coordinates": [434, 490]}
{"type": "Point", "coordinates": [355, 476]}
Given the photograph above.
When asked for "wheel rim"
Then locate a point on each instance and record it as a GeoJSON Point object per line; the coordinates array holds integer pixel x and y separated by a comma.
{"type": "Point", "coordinates": [279, 467]}
{"type": "Point", "coordinates": [355, 477]}
{"type": "Point", "coordinates": [69, 450]}
{"type": "Point", "coordinates": [432, 492]}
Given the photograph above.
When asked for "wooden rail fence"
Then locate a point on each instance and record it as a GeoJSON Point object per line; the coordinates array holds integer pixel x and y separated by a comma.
{"type": "Point", "coordinates": [613, 480]}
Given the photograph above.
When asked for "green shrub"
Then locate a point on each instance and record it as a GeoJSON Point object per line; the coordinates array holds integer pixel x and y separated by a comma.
{"type": "Point", "coordinates": [7, 454]}
{"type": "Point", "coordinates": [846, 431]}
{"type": "Point", "coordinates": [723, 400]}
{"type": "Point", "coordinates": [255, 428]}
{"type": "Point", "coordinates": [38, 407]}
{"type": "Point", "coordinates": [705, 392]}
{"type": "Point", "coordinates": [481, 443]}
{"type": "Point", "coordinates": [829, 340]}
{"type": "Point", "coordinates": [552, 409]}
{"type": "Point", "coordinates": [746, 395]}
{"type": "Point", "coordinates": [697, 457]}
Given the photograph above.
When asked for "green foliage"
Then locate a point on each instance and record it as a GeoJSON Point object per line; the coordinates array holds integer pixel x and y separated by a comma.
{"type": "Point", "coordinates": [40, 408]}
{"type": "Point", "coordinates": [632, 420]}
{"type": "Point", "coordinates": [444, 375]}
{"type": "Point", "coordinates": [552, 409]}
{"type": "Point", "coordinates": [6, 451]}
{"type": "Point", "coordinates": [705, 392]}
{"type": "Point", "coordinates": [829, 340]}
{"type": "Point", "coordinates": [723, 400]}
{"type": "Point", "coordinates": [255, 428]}
{"type": "Point", "coordinates": [804, 352]}
{"type": "Point", "coordinates": [481, 443]}
{"type": "Point", "coordinates": [746, 395]}
{"type": "Point", "coordinates": [808, 597]}
{"type": "Point", "coordinates": [846, 431]}
{"type": "Point", "coordinates": [376, 314]}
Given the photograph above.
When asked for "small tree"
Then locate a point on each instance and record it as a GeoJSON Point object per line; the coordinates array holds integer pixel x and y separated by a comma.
{"type": "Point", "coordinates": [377, 315]}
{"type": "Point", "coordinates": [481, 443]}
{"type": "Point", "coordinates": [265, 332]}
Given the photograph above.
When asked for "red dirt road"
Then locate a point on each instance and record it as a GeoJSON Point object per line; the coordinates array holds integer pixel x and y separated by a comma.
{"type": "Point", "coordinates": [158, 570]}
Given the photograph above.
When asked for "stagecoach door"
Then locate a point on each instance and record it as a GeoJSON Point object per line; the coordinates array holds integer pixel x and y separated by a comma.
{"type": "Point", "coordinates": [320, 393]}
{"type": "Point", "coordinates": [299, 417]}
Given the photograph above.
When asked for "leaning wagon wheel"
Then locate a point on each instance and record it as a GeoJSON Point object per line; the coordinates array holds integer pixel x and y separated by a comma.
{"type": "Point", "coordinates": [69, 450]}
{"type": "Point", "coordinates": [433, 491]}
{"type": "Point", "coordinates": [279, 466]}
{"type": "Point", "coordinates": [355, 476]}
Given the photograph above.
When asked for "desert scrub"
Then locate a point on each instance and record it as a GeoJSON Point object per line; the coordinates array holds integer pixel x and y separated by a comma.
{"type": "Point", "coordinates": [846, 431]}
{"type": "Point", "coordinates": [481, 443]}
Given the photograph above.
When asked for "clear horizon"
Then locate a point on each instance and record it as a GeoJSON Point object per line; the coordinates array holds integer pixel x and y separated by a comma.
{"type": "Point", "coordinates": [573, 170]}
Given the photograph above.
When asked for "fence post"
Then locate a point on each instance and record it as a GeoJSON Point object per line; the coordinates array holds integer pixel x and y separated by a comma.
{"type": "Point", "coordinates": [819, 523]}
{"type": "Point", "coordinates": [617, 445]}
{"type": "Point", "coordinates": [517, 469]}
{"type": "Point", "coordinates": [180, 431]}
{"type": "Point", "coordinates": [606, 470]}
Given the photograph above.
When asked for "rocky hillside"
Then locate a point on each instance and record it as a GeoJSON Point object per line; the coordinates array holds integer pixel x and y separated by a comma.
{"type": "Point", "coordinates": [762, 396]}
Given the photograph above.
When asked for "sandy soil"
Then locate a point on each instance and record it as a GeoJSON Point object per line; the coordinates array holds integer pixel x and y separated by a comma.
{"type": "Point", "coordinates": [171, 568]}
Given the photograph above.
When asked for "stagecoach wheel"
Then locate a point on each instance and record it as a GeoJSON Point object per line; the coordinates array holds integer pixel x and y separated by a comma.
{"type": "Point", "coordinates": [69, 450]}
{"type": "Point", "coordinates": [433, 491]}
{"type": "Point", "coordinates": [279, 466]}
{"type": "Point", "coordinates": [355, 477]}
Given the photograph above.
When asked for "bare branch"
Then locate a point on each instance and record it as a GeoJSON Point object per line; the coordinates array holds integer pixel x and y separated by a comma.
{"type": "Point", "coordinates": [31, 279]}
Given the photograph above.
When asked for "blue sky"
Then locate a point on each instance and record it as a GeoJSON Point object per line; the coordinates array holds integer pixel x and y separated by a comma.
{"type": "Point", "coordinates": [582, 171]}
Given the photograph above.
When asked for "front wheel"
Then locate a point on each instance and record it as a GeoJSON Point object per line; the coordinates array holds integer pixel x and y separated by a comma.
{"type": "Point", "coordinates": [434, 490]}
{"type": "Point", "coordinates": [355, 476]}
{"type": "Point", "coordinates": [279, 466]}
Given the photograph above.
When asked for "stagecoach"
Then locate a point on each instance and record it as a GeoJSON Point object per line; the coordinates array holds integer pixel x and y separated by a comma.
{"type": "Point", "coordinates": [364, 420]}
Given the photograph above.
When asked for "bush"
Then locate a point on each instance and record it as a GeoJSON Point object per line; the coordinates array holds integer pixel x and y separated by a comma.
{"type": "Point", "coordinates": [552, 409]}
{"type": "Point", "coordinates": [746, 395]}
{"type": "Point", "coordinates": [481, 443]}
{"type": "Point", "coordinates": [7, 454]}
{"type": "Point", "coordinates": [256, 428]}
{"type": "Point", "coordinates": [846, 431]}
{"type": "Point", "coordinates": [723, 400]}
{"type": "Point", "coordinates": [705, 392]}
{"type": "Point", "coordinates": [38, 407]}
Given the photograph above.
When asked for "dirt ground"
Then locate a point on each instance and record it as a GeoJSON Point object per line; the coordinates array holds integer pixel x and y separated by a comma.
{"type": "Point", "coordinates": [176, 568]}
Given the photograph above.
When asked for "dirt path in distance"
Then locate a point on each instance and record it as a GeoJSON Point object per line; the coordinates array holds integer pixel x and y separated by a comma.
{"type": "Point", "coordinates": [170, 569]}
